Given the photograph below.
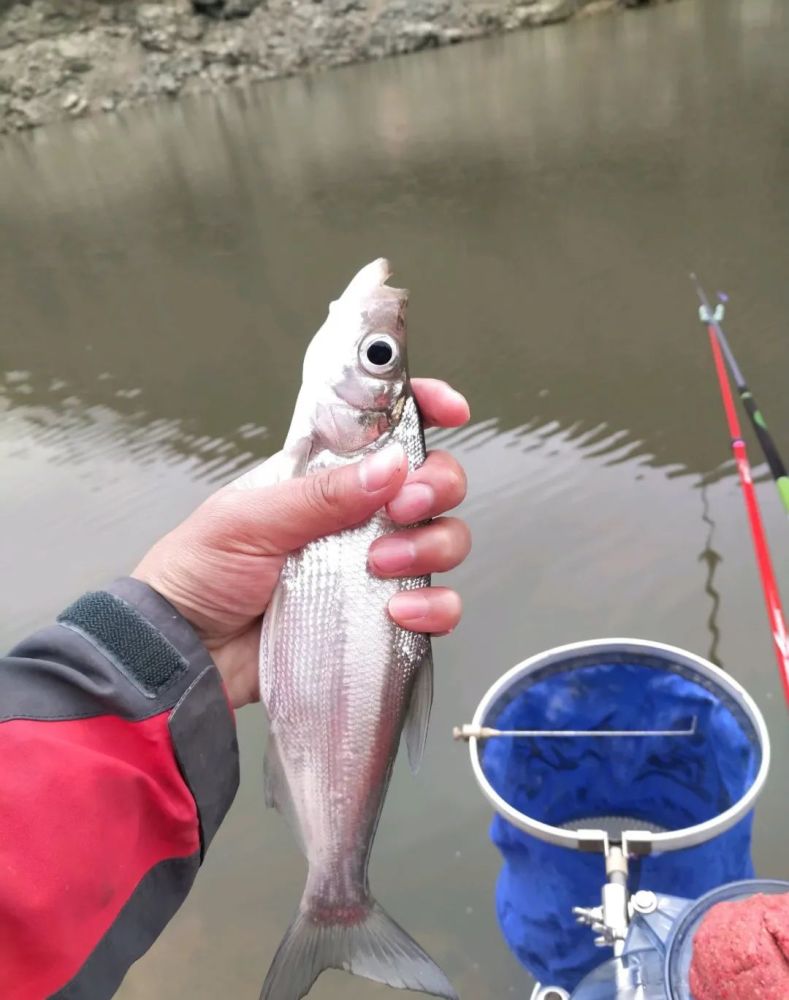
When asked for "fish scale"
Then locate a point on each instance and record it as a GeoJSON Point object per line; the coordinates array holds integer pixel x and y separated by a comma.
{"type": "Point", "coordinates": [334, 626]}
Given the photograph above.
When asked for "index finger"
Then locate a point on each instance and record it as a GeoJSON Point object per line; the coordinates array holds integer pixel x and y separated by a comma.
{"type": "Point", "coordinates": [439, 403]}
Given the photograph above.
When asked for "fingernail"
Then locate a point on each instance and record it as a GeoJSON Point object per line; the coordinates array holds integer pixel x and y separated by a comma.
{"type": "Point", "coordinates": [390, 555]}
{"type": "Point", "coordinates": [377, 469]}
{"type": "Point", "coordinates": [409, 605]}
{"type": "Point", "coordinates": [413, 502]}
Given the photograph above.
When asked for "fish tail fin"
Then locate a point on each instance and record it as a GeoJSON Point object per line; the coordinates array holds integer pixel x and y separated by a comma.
{"type": "Point", "coordinates": [375, 947]}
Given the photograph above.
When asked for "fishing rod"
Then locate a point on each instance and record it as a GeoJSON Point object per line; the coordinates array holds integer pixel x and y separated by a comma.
{"type": "Point", "coordinates": [772, 596]}
{"type": "Point", "coordinates": [712, 318]}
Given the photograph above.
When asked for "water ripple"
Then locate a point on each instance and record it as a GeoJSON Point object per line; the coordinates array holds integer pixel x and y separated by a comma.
{"type": "Point", "coordinates": [54, 426]}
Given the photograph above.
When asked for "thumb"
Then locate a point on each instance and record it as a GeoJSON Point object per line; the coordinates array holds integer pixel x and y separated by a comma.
{"type": "Point", "coordinates": [284, 517]}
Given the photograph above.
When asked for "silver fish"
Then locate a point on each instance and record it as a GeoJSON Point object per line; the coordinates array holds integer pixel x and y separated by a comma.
{"type": "Point", "coordinates": [339, 679]}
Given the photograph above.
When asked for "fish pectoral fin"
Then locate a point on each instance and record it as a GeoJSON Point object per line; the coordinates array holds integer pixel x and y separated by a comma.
{"type": "Point", "coordinates": [276, 791]}
{"type": "Point", "coordinates": [418, 717]}
{"type": "Point", "coordinates": [289, 463]}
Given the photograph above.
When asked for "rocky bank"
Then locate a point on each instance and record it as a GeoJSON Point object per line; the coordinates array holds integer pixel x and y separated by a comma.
{"type": "Point", "coordinates": [67, 58]}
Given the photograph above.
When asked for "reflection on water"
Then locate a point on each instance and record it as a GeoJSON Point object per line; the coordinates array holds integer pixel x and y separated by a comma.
{"type": "Point", "coordinates": [544, 195]}
{"type": "Point", "coordinates": [69, 429]}
{"type": "Point", "coordinates": [711, 559]}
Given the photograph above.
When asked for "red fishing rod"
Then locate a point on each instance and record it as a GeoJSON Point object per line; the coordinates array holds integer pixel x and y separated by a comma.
{"type": "Point", "coordinates": [771, 595]}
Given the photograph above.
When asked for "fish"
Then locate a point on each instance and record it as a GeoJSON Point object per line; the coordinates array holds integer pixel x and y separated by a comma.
{"type": "Point", "coordinates": [340, 681]}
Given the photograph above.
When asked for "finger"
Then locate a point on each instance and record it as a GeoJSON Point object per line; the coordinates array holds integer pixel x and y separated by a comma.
{"type": "Point", "coordinates": [438, 485]}
{"type": "Point", "coordinates": [431, 609]}
{"type": "Point", "coordinates": [434, 548]}
{"type": "Point", "coordinates": [440, 404]}
{"type": "Point", "coordinates": [278, 519]}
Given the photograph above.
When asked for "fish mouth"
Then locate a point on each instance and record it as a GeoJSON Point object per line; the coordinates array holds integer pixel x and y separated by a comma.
{"type": "Point", "coordinates": [370, 282]}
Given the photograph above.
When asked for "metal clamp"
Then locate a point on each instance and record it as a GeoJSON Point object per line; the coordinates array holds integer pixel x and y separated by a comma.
{"type": "Point", "coordinates": [706, 315]}
{"type": "Point", "coordinates": [610, 921]}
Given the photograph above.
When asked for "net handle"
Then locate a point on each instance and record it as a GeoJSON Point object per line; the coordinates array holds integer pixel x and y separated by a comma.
{"type": "Point", "coordinates": [634, 842]}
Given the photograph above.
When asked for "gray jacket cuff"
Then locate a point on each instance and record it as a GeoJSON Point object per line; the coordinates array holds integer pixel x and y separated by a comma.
{"type": "Point", "coordinates": [201, 722]}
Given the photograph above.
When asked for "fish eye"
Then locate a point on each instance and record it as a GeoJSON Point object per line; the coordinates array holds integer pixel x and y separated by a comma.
{"type": "Point", "coordinates": [379, 354]}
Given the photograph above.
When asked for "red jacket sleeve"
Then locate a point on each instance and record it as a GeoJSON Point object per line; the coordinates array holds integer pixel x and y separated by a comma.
{"type": "Point", "coordinates": [118, 762]}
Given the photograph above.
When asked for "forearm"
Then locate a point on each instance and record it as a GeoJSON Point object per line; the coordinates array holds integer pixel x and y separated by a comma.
{"type": "Point", "coordinates": [119, 761]}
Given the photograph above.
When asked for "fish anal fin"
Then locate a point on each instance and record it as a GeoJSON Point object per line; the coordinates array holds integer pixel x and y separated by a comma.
{"type": "Point", "coordinates": [418, 718]}
{"type": "Point", "coordinates": [276, 791]}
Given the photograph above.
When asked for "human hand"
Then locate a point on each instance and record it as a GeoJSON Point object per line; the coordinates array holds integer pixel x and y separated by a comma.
{"type": "Point", "coordinates": [219, 568]}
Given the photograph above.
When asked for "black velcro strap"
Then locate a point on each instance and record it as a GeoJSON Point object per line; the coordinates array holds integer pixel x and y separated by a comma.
{"type": "Point", "coordinates": [130, 642]}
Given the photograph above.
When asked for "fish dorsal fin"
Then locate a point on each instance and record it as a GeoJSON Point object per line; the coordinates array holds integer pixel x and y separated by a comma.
{"type": "Point", "coordinates": [276, 790]}
{"type": "Point", "coordinates": [418, 717]}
